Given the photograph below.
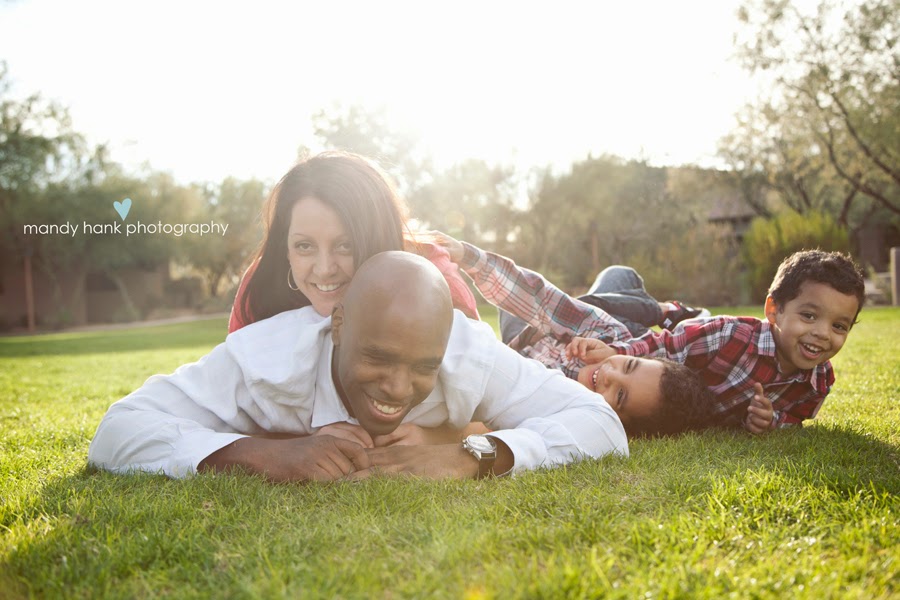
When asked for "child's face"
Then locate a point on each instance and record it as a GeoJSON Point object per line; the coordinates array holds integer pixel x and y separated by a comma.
{"type": "Point", "coordinates": [812, 327]}
{"type": "Point", "coordinates": [630, 385]}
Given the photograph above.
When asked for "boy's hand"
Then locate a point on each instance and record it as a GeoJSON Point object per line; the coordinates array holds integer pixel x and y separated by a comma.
{"type": "Point", "coordinates": [589, 350]}
{"type": "Point", "coordinates": [760, 412]}
{"type": "Point", "coordinates": [453, 246]}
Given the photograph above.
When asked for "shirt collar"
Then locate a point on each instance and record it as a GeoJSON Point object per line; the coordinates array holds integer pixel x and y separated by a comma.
{"type": "Point", "coordinates": [818, 377]}
{"type": "Point", "coordinates": [327, 405]}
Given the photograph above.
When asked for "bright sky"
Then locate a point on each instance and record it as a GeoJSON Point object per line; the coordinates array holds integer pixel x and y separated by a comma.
{"type": "Point", "coordinates": [209, 89]}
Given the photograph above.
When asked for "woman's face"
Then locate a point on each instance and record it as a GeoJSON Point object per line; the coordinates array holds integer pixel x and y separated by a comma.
{"type": "Point", "coordinates": [320, 251]}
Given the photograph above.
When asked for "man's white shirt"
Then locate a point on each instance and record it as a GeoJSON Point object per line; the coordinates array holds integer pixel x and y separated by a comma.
{"type": "Point", "coordinates": [275, 376]}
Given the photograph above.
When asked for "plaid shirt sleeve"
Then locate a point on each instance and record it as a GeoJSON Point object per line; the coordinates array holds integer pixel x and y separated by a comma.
{"type": "Point", "coordinates": [687, 344]}
{"type": "Point", "coordinates": [535, 300]}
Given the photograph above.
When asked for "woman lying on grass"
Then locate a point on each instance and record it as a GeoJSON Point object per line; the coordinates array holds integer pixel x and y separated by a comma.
{"type": "Point", "coordinates": [323, 219]}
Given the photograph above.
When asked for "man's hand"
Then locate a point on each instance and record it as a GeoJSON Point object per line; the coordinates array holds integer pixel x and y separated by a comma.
{"type": "Point", "coordinates": [453, 246]}
{"type": "Point", "coordinates": [312, 458]}
{"type": "Point", "coordinates": [434, 462]}
{"type": "Point", "coordinates": [760, 412]}
{"type": "Point", "coordinates": [408, 434]}
{"type": "Point", "coordinates": [350, 432]}
{"type": "Point", "coordinates": [589, 350]}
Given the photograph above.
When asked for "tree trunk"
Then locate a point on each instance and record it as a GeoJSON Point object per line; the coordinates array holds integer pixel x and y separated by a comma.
{"type": "Point", "coordinates": [130, 308]}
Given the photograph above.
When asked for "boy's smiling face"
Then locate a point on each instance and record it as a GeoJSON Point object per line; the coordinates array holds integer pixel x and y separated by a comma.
{"type": "Point", "coordinates": [812, 327]}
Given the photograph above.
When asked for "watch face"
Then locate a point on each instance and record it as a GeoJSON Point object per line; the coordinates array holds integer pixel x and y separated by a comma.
{"type": "Point", "coordinates": [480, 443]}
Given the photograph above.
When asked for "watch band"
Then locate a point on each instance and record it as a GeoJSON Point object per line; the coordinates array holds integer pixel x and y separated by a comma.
{"type": "Point", "coordinates": [484, 449]}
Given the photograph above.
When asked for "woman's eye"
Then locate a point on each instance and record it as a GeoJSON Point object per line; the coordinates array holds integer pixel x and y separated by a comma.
{"type": "Point", "coordinates": [345, 247]}
{"type": "Point", "coordinates": [303, 246]}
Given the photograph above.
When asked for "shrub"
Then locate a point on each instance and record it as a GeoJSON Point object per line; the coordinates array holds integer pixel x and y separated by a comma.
{"type": "Point", "coordinates": [769, 241]}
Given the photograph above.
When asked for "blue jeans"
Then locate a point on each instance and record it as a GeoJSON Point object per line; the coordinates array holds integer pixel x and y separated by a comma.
{"type": "Point", "coordinates": [619, 291]}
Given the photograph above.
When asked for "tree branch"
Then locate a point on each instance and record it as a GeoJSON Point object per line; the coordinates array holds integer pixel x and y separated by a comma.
{"type": "Point", "coordinates": [895, 175]}
{"type": "Point", "coordinates": [857, 180]}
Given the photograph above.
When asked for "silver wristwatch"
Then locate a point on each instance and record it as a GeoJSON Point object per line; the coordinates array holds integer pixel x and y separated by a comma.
{"type": "Point", "coordinates": [483, 448]}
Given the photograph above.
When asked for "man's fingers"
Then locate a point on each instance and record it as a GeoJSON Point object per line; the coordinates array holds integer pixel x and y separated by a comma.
{"type": "Point", "coordinates": [382, 441]}
{"type": "Point", "coordinates": [356, 454]}
{"type": "Point", "coordinates": [361, 474]}
{"type": "Point", "coordinates": [349, 432]}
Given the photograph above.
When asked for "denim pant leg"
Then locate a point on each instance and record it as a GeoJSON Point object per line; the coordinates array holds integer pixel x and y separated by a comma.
{"type": "Point", "coordinates": [510, 325]}
{"type": "Point", "coordinates": [620, 291]}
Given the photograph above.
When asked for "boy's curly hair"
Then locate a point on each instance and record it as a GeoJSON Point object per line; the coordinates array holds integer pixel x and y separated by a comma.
{"type": "Point", "coordinates": [836, 269]}
{"type": "Point", "coordinates": [687, 404]}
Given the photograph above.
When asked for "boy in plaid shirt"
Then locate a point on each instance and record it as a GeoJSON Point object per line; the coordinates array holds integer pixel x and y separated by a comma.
{"type": "Point", "coordinates": [651, 396]}
{"type": "Point", "coordinates": [755, 365]}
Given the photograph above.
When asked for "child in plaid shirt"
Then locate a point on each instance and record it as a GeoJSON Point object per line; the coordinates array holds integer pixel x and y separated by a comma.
{"type": "Point", "coordinates": [652, 397]}
{"type": "Point", "coordinates": [755, 365]}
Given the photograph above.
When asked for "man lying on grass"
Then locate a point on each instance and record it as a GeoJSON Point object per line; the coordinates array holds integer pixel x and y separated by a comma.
{"type": "Point", "coordinates": [393, 352]}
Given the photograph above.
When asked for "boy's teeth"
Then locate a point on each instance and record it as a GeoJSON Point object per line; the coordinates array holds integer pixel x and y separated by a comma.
{"type": "Point", "coordinates": [384, 408]}
{"type": "Point", "coordinates": [812, 349]}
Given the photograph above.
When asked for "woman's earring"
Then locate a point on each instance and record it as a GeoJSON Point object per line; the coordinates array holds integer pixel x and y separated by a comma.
{"type": "Point", "coordinates": [290, 279]}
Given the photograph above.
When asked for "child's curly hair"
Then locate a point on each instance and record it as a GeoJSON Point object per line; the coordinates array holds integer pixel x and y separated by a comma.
{"type": "Point", "coordinates": [836, 269]}
{"type": "Point", "coordinates": [687, 404]}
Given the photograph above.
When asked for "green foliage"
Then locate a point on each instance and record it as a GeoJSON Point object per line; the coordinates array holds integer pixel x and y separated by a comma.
{"type": "Point", "coordinates": [769, 241]}
{"type": "Point", "coordinates": [222, 258]}
{"type": "Point", "coordinates": [471, 201]}
{"type": "Point", "coordinates": [368, 132]}
{"type": "Point", "coordinates": [828, 137]}
{"type": "Point", "coordinates": [812, 512]}
{"type": "Point", "coordinates": [599, 214]}
{"type": "Point", "coordinates": [699, 266]}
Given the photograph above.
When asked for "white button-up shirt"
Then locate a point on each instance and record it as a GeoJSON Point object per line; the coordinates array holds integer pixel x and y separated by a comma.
{"type": "Point", "coordinates": [275, 376]}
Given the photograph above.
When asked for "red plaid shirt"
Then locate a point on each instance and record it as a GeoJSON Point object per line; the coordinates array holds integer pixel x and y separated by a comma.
{"type": "Point", "coordinates": [731, 354]}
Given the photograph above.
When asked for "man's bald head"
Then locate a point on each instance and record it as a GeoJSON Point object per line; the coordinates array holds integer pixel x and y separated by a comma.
{"type": "Point", "coordinates": [398, 278]}
{"type": "Point", "coordinates": [390, 334]}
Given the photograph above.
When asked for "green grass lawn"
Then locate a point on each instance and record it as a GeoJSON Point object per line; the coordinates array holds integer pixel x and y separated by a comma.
{"type": "Point", "coordinates": [809, 513]}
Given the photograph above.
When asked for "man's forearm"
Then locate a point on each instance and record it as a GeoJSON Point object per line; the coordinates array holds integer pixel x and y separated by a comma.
{"type": "Point", "coordinates": [239, 454]}
{"type": "Point", "coordinates": [309, 458]}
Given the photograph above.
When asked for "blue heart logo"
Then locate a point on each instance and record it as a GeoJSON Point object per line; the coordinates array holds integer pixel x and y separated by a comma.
{"type": "Point", "coordinates": [123, 207]}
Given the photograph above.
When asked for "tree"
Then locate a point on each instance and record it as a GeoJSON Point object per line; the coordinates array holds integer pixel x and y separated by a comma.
{"type": "Point", "coordinates": [828, 138]}
{"type": "Point", "coordinates": [472, 201]}
{"type": "Point", "coordinates": [369, 132]}
{"type": "Point", "coordinates": [220, 258]}
{"type": "Point", "coordinates": [36, 143]}
{"type": "Point", "coordinates": [594, 216]}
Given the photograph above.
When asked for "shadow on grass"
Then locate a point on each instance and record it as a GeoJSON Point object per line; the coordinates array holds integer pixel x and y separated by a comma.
{"type": "Point", "coordinates": [183, 335]}
{"type": "Point", "coordinates": [839, 457]}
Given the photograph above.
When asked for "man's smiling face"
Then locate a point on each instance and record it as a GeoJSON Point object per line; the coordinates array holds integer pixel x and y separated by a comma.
{"type": "Point", "coordinates": [387, 358]}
